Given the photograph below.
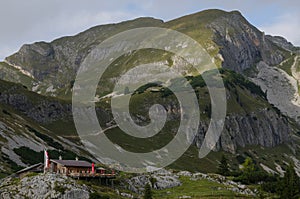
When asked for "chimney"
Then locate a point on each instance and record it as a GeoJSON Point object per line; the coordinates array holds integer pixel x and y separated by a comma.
{"type": "Point", "coordinates": [60, 158]}
{"type": "Point", "coordinates": [76, 158]}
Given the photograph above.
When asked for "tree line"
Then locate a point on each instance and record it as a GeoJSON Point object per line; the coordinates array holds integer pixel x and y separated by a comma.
{"type": "Point", "coordinates": [287, 186]}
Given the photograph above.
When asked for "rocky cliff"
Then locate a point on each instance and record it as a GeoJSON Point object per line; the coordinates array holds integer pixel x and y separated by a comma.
{"type": "Point", "coordinates": [242, 44]}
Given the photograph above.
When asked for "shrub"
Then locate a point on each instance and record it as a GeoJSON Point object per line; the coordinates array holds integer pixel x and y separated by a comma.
{"type": "Point", "coordinates": [59, 188]}
{"type": "Point", "coordinates": [223, 167]}
{"type": "Point", "coordinates": [148, 192]}
{"type": "Point", "coordinates": [96, 195]}
{"type": "Point", "coordinates": [28, 155]}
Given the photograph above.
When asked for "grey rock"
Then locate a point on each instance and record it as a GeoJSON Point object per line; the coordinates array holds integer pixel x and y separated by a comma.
{"type": "Point", "coordinates": [243, 45]}
{"type": "Point", "coordinates": [43, 186]}
{"type": "Point", "coordinates": [282, 42]}
{"type": "Point", "coordinates": [163, 179]}
{"type": "Point", "coordinates": [265, 128]}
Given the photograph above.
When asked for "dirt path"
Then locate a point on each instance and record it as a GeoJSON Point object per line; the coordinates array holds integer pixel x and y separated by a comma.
{"type": "Point", "coordinates": [296, 74]}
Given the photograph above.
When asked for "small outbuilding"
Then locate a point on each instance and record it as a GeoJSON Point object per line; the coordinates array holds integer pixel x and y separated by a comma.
{"type": "Point", "coordinates": [36, 168]}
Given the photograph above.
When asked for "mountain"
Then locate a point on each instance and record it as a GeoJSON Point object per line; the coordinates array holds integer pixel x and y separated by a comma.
{"type": "Point", "coordinates": [24, 133]}
{"type": "Point", "coordinates": [260, 73]}
{"type": "Point", "coordinates": [50, 68]}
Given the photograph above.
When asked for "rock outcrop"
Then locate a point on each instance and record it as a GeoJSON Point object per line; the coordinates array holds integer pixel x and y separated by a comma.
{"type": "Point", "coordinates": [243, 45]}
{"type": "Point", "coordinates": [43, 186]}
{"type": "Point", "coordinates": [265, 128]}
{"type": "Point", "coordinates": [281, 89]}
{"type": "Point", "coordinates": [161, 179]}
{"type": "Point", "coordinates": [282, 42]}
{"type": "Point", "coordinates": [169, 179]}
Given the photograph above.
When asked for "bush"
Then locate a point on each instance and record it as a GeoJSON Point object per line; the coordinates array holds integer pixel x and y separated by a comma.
{"type": "Point", "coordinates": [59, 188]}
{"type": "Point", "coordinates": [153, 181]}
{"type": "Point", "coordinates": [96, 195]}
{"type": "Point", "coordinates": [270, 187]}
{"type": "Point", "coordinates": [148, 192]}
{"type": "Point", "coordinates": [197, 81]}
{"type": "Point", "coordinates": [223, 167]}
{"type": "Point", "coordinates": [230, 78]}
{"type": "Point", "coordinates": [289, 185]}
{"type": "Point", "coordinates": [28, 155]}
{"type": "Point", "coordinates": [251, 174]}
{"type": "Point", "coordinates": [252, 178]}
{"type": "Point", "coordinates": [286, 187]}
{"type": "Point", "coordinates": [45, 138]}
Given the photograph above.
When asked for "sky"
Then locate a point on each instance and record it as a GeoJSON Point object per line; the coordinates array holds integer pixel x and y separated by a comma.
{"type": "Point", "coordinates": [28, 21]}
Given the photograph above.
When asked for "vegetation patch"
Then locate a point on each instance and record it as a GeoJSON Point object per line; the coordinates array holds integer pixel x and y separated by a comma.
{"type": "Point", "coordinates": [46, 138]}
{"type": "Point", "coordinates": [29, 156]}
{"type": "Point", "coordinates": [97, 195]}
{"type": "Point", "coordinates": [60, 188]}
{"type": "Point", "coordinates": [196, 189]}
{"type": "Point", "coordinates": [287, 65]}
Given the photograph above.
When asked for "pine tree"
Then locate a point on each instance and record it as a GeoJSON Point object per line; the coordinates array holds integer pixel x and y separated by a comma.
{"type": "Point", "coordinates": [248, 166]}
{"type": "Point", "coordinates": [148, 192]}
{"type": "Point", "coordinates": [223, 167]}
{"type": "Point", "coordinates": [290, 184]}
{"type": "Point", "coordinates": [249, 172]}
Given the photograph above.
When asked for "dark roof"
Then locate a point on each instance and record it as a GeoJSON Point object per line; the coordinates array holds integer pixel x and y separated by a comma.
{"type": "Point", "coordinates": [73, 163]}
{"type": "Point", "coordinates": [30, 168]}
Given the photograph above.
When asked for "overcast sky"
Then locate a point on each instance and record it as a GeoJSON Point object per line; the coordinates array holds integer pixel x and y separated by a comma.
{"type": "Point", "coordinates": [27, 21]}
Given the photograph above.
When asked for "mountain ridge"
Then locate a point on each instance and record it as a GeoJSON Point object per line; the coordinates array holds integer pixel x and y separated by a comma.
{"type": "Point", "coordinates": [58, 56]}
{"type": "Point", "coordinates": [45, 73]}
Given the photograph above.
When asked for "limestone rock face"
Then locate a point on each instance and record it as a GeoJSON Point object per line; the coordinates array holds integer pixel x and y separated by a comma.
{"type": "Point", "coordinates": [282, 42]}
{"type": "Point", "coordinates": [45, 111]}
{"type": "Point", "coordinates": [243, 45]}
{"type": "Point", "coordinates": [281, 88]}
{"type": "Point", "coordinates": [265, 128]}
{"type": "Point", "coordinates": [41, 109]}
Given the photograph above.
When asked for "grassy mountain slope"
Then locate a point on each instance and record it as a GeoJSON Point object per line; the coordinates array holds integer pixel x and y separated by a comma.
{"type": "Point", "coordinates": [233, 43]}
{"type": "Point", "coordinates": [51, 120]}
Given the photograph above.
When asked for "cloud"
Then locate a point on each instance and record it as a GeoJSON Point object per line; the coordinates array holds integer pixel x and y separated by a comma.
{"type": "Point", "coordinates": [287, 26]}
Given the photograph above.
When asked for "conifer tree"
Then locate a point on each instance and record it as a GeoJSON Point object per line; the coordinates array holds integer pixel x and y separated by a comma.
{"type": "Point", "coordinates": [223, 167]}
{"type": "Point", "coordinates": [248, 166]}
{"type": "Point", "coordinates": [290, 184]}
{"type": "Point", "coordinates": [148, 192]}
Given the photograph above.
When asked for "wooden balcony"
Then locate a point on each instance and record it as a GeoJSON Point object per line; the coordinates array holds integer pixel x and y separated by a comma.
{"type": "Point", "coordinates": [91, 175]}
